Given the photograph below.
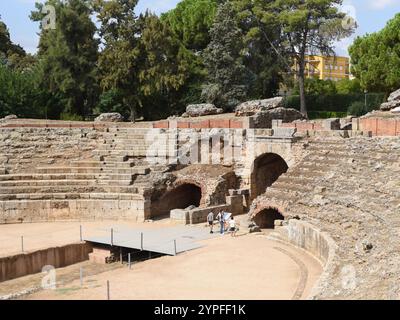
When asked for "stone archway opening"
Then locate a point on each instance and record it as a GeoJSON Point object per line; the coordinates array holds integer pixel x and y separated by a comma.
{"type": "Point", "coordinates": [181, 197]}
{"type": "Point", "coordinates": [265, 219]}
{"type": "Point", "coordinates": [267, 168]}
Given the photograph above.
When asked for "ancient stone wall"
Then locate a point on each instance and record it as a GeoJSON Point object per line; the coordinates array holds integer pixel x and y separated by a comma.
{"type": "Point", "coordinates": [23, 264]}
{"type": "Point", "coordinates": [349, 189]}
{"type": "Point", "coordinates": [22, 149]}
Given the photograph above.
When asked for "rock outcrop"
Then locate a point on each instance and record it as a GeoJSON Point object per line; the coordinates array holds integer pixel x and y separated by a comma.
{"type": "Point", "coordinates": [264, 119]}
{"type": "Point", "coordinates": [203, 109]}
{"type": "Point", "coordinates": [250, 108]}
{"type": "Point", "coordinates": [110, 117]}
{"type": "Point", "coordinates": [392, 103]}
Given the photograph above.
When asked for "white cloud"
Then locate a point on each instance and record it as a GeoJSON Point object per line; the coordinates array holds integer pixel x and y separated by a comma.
{"type": "Point", "coordinates": [381, 4]}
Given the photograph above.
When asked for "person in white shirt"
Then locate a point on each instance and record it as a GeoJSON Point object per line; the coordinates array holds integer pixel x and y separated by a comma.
{"type": "Point", "coordinates": [232, 227]}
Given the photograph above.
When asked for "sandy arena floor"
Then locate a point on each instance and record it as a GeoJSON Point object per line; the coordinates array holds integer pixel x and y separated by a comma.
{"type": "Point", "coordinates": [246, 267]}
{"type": "Point", "coordinates": [38, 236]}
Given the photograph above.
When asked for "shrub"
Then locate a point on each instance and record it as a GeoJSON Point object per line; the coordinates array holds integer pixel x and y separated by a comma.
{"type": "Point", "coordinates": [70, 117]}
{"type": "Point", "coordinates": [335, 102]}
{"type": "Point", "coordinates": [358, 109]}
{"type": "Point", "coordinates": [326, 115]}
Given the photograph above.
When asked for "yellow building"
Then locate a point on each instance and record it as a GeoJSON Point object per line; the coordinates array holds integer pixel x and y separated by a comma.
{"type": "Point", "coordinates": [328, 68]}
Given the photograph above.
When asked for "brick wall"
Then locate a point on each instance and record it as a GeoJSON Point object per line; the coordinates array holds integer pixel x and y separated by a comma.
{"type": "Point", "coordinates": [204, 124]}
{"type": "Point", "coordinates": [379, 126]}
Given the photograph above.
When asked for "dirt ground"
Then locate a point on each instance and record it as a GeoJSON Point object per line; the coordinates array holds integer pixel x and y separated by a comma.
{"type": "Point", "coordinates": [241, 268]}
{"type": "Point", "coordinates": [247, 267]}
{"type": "Point", "coordinates": [38, 236]}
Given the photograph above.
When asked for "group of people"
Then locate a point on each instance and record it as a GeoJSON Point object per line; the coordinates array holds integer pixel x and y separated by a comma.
{"type": "Point", "coordinates": [226, 222]}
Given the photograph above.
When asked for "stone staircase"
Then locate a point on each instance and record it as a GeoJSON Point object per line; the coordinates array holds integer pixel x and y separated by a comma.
{"type": "Point", "coordinates": [116, 176]}
{"type": "Point", "coordinates": [117, 170]}
{"type": "Point", "coordinates": [349, 188]}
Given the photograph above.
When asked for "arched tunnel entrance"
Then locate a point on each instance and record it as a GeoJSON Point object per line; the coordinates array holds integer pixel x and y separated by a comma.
{"type": "Point", "coordinates": [267, 168]}
{"type": "Point", "coordinates": [181, 197]}
{"type": "Point", "coordinates": [265, 219]}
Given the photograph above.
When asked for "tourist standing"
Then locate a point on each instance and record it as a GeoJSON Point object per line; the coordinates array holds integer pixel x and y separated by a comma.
{"type": "Point", "coordinates": [232, 227]}
{"type": "Point", "coordinates": [221, 220]}
{"type": "Point", "coordinates": [210, 220]}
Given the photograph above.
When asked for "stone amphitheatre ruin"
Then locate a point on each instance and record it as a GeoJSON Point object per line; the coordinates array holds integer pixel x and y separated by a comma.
{"type": "Point", "coordinates": [327, 188]}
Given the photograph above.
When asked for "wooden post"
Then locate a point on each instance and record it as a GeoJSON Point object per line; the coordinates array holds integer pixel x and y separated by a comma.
{"type": "Point", "coordinates": [112, 237]}
{"type": "Point", "coordinates": [129, 260]}
{"type": "Point", "coordinates": [80, 233]}
{"type": "Point", "coordinates": [141, 240]}
{"type": "Point", "coordinates": [175, 246]}
{"type": "Point", "coordinates": [22, 244]}
{"type": "Point", "coordinates": [108, 290]}
{"type": "Point", "coordinates": [81, 276]}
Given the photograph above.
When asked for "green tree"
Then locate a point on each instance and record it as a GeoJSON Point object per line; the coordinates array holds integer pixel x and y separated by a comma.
{"type": "Point", "coordinates": [68, 55]}
{"type": "Point", "coordinates": [119, 59]}
{"type": "Point", "coordinates": [166, 65]}
{"type": "Point", "coordinates": [347, 86]}
{"type": "Point", "coordinates": [12, 54]}
{"type": "Point", "coordinates": [307, 26]}
{"type": "Point", "coordinates": [261, 38]}
{"type": "Point", "coordinates": [191, 22]}
{"type": "Point", "coordinates": [228, 77]}
{"type": "Point", "coordinates": [314, 86]}
{"type": "Point", "coordinates": [142, 65]}
{"type": "Point", "coordinates": [375, 58]}
{"type": "Point", "coordinates": [21, 94]}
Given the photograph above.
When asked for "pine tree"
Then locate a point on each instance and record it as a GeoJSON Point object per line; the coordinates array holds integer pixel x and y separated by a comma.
{"type": "Point", "coordinates": [68, 55]}
{"type": "Point", "coordinates": [119, 59]}
{"type": "Point", "coordinates": [228, 77]}
{"type": "Point", "coordinates": [143, 65]}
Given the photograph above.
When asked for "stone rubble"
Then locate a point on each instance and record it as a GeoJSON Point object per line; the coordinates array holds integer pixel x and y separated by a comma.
{"type": "Point", "coordinates": [250, 108]}
{"type": "Point", "coordinates": [203, 109]}
{"type": "Point", "coordinates": [393, 102]}
{"type": "Point", "coordinates": [110, 117]}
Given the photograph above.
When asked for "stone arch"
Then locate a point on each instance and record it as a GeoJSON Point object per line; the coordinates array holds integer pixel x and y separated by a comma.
{"type": "Point", "coordinates": [266, 217]}
{"type": "Point", "coordinates": [180, 196]}
{"type": "Point", "coordinates": [266, 169]}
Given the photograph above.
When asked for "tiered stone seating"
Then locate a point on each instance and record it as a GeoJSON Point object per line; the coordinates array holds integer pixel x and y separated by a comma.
{"type": "Point", "coordinates": [108, 177]}
{"type": "Point", "coordinates": [350, 189]}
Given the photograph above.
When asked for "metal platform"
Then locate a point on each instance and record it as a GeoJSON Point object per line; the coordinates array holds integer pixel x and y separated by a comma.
{"type": "Point", "coordinates": [169, 240]}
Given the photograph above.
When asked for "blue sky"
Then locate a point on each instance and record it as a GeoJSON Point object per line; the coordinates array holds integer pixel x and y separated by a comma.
{"type": "Point", "coordinates": [371, 15]}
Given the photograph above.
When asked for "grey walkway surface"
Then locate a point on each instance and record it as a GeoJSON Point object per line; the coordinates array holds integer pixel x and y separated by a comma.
{"type": "Point", "coordinates": [162, 240]}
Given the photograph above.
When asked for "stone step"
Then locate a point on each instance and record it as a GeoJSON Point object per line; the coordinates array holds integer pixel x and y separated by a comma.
{"type": "Point", "coordinates": [124, 154]}
{"type": "Point", "coordinates": [68, 176]}
{"type": "Point", "coordinates": [65, 182]}
{"type": "Point", "coordinates": [87, 164]}
{"type": "Point", "coordinates": [70, 196]}
{"type": "Point", "coordinates": [116, 176]}
{"type": "Point", "coordinates": [103, 164]}
{"type": "Point", "coordinates": [107, 158]}
{"type": "Point", "coordinates": [292, 187]}
{"type": "Point", "coordinates": [48, 189]}
{"type": "Point", "coordinates": [49, 170]}
{"type": "Point", "coordinates": [278, 195]}
{"type": "Point", "coordinates": [111, 182]}
{"type": "Point", "coordinates": [118, 164]}
{"type": "Point", "coordinates": [290, 178]}
{"type": "Point", "coordinates": [140, 131]}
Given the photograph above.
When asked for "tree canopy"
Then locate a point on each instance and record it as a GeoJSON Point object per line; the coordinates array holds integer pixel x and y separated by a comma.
{"type": "Point", "coordinates": [375, 58]}
{"type": "Point", "coordinates": [228, 78]}
{"type": "Point", "coordinates": [191, 22]}
{"type": "Point", "coordinates": [307, 27]}
{"type": "Point", "coordinates": [68, 55]}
